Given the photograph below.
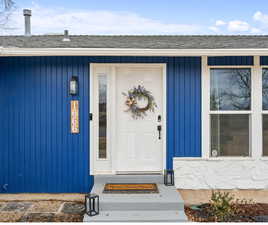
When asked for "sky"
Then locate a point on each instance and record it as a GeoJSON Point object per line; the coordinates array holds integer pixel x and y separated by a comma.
{"type": "Point", "coordinates": [142, 17]}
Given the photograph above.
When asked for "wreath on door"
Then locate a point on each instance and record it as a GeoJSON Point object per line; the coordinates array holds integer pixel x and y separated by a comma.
{"type": "Point", "coordinates": [133, 96]}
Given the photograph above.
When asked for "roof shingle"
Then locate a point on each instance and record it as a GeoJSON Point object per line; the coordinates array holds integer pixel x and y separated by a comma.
{"type": "Point", "coordinates": [137, 42]}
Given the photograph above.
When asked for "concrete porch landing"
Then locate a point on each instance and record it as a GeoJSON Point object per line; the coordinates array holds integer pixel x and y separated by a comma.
{"type": "Point", "coordinates": [167, 205]}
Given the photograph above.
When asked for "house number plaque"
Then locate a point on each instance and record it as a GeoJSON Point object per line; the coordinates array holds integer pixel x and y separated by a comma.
{"type": "Point", "coordinates": [74, 117]}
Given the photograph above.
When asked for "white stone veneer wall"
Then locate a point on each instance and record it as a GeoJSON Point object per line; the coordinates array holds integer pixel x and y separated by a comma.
{"type": "Point", "coordinates": [220, 173]}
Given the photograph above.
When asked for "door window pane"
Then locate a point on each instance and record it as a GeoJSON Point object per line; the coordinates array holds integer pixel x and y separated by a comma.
{"type": "Point", "coordinates": [102, 79]}
{"type": "Point", "coordinates": [230, 89]}
{"type": "Point", "coordinates": [265, 89]}
{"type": "Point", "coordinates": [265, 134]}
{"type": "Point", "coordinates": [229, 135]}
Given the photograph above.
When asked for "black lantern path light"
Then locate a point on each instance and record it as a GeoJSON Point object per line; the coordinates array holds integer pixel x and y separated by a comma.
{"type": "Point", "coordinates": [92, 204]}
{"type": "Point", "coordinates": [169, 177]}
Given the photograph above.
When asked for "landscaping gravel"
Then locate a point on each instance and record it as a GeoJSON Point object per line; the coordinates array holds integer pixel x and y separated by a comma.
{"type": "Point", "coordinates": [46, 206]}
{"type": "Point", "coordinates": [73, 208]}
{"type": "Point", "coordinates": [17, 206]}
{"type": "Point", "coordinates": [41, 211]}
{"type": "Point", "coordinates": [37, 217]}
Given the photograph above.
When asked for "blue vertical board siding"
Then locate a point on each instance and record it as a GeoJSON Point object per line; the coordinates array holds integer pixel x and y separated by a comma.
{"type": "Point", "coordinates": [264, 60]}
{"type": "Point", "coordinates": [230, 60]}
{"type": "Point", "coordinates": [38, 152]}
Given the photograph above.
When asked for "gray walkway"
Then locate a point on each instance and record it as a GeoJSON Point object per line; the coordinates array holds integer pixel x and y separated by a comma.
{"type": "Point", "coordinates": [167, 205]}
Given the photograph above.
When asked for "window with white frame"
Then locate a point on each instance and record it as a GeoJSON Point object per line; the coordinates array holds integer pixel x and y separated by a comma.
{"type": "Point", "coordinates": [265, 111]}
{"type": "Point", "coordinates": [102, 80]}
{"type": "Point", "coordinates": [230, 111]}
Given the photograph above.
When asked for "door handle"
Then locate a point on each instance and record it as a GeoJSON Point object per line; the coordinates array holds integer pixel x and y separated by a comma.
{"type": "Point", "coordinates": [159, 128]}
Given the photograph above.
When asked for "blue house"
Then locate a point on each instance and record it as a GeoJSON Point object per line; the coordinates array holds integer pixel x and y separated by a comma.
{"type": "Point", "coordinates": [73, 107]}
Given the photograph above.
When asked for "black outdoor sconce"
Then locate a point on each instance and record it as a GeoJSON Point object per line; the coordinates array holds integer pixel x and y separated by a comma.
{"type": "Point", "coordinates": [92, 205]}
{"type": "Point", "coordinates": [169, 177]}
{"type": "Point", "coordinates": [73, 88]}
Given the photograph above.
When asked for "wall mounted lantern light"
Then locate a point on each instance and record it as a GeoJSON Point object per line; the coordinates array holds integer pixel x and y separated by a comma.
{"type": "Point", "coordinates": [73, 88]}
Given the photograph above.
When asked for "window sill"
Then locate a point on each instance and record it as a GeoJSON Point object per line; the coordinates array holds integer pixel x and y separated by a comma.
{"type": "Point", "coordinates": [102, 159]}
{"type": "Point", "coordinates": [231, 158]}
{"type": "Point", "coordinates": [215, 159]}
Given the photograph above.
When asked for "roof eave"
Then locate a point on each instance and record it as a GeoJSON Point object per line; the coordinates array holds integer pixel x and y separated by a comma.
{"type": "Point", "coordinates": [129, 52]}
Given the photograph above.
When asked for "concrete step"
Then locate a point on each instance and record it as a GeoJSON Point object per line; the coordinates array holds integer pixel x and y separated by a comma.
{"type": "Point", "coordinates": [147, 178]}
{"type": "Point", "coordinates": [165, 206]}
{"type": "Point", "coordinates": [138, 216]}
{"type": "Point", "coordinates": [168, 198]}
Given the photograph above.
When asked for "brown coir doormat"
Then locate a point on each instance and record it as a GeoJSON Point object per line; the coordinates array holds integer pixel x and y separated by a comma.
{"type": "Point", "coordinates": [130, 188]}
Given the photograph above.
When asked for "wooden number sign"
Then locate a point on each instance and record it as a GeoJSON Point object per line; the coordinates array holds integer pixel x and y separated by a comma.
{"type": "Point", "coordinates": [74, 117]}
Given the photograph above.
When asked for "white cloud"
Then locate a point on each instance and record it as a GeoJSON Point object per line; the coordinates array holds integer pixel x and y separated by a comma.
{"type": "Point", "coordinates": [220, 23]}
{"type": "Point", "coordinates": [258, 25]}
{"type": "Point", "coordinates": [55, 20]}
{"type": "Point", "coordinates": [260, 17]}
{"type": "Point", "coordinates": [238, 26]}
{"type": "Point", "coordinates": [254, 30]}
{"type": "Point", "coordinates": [215, 29]}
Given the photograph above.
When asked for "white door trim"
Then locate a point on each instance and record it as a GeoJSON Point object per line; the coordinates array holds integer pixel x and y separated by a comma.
{"type": "Point", "coordinates": [112, 66]}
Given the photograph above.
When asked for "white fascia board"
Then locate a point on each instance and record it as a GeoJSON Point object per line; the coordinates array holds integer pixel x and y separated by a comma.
{"type": "Point", "coordinates": [128, 52]}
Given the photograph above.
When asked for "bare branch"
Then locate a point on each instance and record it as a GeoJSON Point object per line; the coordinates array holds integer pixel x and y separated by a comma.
{"type": "Point", "coordinates": [6, 10]}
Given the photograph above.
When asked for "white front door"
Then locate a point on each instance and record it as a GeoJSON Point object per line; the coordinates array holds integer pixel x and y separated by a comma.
{"type": "Point", "coordinates": [139, 146]}
{"type": "Point", "coordinates": [120, 143]}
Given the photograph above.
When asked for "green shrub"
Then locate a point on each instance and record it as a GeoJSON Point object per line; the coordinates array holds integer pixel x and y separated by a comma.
{"type": "Point", "coordinates": [221, 206]}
